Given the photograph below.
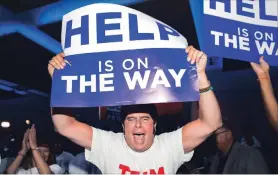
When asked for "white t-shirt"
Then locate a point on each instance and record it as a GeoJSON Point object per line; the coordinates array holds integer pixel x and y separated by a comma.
{"type": "Point", "coordinates": [56, 169]}
{"type": "Point", "coordinates": [111, 154]}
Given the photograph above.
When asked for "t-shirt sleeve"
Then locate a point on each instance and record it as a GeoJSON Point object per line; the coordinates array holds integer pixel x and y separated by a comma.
{"type": "Point", "coordinates": [172, 143]}
{"type": "Point", "coordinates": [99, 147]}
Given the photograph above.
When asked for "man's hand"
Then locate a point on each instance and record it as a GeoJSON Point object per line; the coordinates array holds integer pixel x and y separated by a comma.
{"type": "Point", "coordinates": [196, 56]}
{"type": "Point", "coordinates": [261, 69]}
{"type": "Point", "coordinates": [200, 58]}
{"type": "Point", "coordinates": [57, 62]}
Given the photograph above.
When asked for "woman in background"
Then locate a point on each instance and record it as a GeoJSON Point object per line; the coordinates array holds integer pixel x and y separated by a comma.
{"type": "Point", "coordinates": [33, 159]}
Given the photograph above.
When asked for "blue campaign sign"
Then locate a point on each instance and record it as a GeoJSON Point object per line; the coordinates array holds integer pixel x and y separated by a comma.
{"type": "Point", "coordinates": [120, 56]}
{"type": "Point", "coordinates": [241, 30]}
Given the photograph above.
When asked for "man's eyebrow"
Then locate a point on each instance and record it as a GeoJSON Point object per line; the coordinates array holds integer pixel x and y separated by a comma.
{"type": "Point", "coordinates": [146, 116]}
{"type": "Point", "coordinates": [130, 117]}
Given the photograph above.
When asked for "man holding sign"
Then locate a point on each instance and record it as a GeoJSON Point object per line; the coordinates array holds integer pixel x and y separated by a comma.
{"type": "Point", "coordinates": [138, 150]}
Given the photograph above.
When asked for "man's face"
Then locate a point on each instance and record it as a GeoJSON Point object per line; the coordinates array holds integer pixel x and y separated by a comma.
{"type": "Point", "coordinates": [139, 131]}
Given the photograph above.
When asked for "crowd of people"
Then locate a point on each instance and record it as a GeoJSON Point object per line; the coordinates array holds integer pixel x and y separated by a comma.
{"type": "Point", "coordinates": [139, 149]}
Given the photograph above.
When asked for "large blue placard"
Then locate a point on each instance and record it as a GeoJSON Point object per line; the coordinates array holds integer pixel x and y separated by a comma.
{"type": "Point", "coordinates": [239, 29]}
{"type": "Point", "coordinates": [120, 56]}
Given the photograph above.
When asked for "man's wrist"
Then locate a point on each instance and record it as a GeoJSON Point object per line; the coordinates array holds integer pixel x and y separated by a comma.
{"type": "Point", "coordinates": [203, 81]}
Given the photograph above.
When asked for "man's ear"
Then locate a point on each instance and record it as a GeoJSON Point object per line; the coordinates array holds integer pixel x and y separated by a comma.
{"type": "Point", "coordinates": [154, 129]}
{"type": "Point", "coordinates": [123, 128]}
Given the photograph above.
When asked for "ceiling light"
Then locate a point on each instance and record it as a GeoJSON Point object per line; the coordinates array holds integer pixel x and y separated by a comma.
{"type": "Point", "coordinates": [5, 124]}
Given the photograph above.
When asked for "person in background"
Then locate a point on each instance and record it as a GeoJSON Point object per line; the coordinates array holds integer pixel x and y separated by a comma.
{"type": "Point", "coordinates": [62, 157]}
{"type": "Point", "coordinates": [5, 162]}
{"type": "Point", "coordinates": [270, 103]}
{"type": "Point", "coordinates": [33, 159]}
{"type": "Point", "coordinates": [111, 113]}
{"type": "Point", "coordinates": [79, 165]}
{"type": "Point", "coordinates": [249, 139]}
{"type": "Point", "coordinates": [234, 157]}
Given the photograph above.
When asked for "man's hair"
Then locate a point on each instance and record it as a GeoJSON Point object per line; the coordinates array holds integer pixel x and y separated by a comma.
{"type": "Point", "coordinates": [140, 108]}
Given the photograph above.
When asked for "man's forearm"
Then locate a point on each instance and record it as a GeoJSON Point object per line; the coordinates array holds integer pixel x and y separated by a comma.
{"type": "Point", "coordinates": [208, 106]}
{"type": "Point", "coordinates": [269, 101]}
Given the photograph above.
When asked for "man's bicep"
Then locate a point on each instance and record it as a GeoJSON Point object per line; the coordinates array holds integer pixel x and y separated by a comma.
{"type": "Point", "coordinates": [80, 133]}
{"type": "Point", "coordinates": [193, 134]}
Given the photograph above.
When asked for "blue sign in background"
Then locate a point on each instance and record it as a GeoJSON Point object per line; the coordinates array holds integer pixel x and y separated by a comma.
{"type": "Point", "coordinates": [206, 23]}
{"type": "Point", "coordinates": [87, 64]}
{"type": "Point", "coordinates": [230, 27]}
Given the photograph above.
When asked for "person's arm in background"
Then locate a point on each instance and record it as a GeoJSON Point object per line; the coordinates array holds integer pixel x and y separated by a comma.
{"type": "Point", "coordinates": [79, 133]}
{"type": "Point", "coordinates": [42, 166]}
{"type": "Point", "coordinates": [195, 132]}
{"type": "Point", "coordinates": [22, 153]}
{"type": "Point", "coordinates": [270, 103]}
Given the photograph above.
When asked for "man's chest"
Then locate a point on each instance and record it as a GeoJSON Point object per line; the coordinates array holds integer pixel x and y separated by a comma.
{"type": "Point", "coordinates": [132, 164]}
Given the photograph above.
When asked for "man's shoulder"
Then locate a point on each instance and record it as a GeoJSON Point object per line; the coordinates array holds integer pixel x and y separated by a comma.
{"type": "Point", "coordinates": [168, 136]}
{"type": "Point", "coordinates": [171, 133]}
{"type": "Point", "coordinates": [102, 131]}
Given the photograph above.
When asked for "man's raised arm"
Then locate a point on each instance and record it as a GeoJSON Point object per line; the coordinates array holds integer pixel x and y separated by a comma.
{"type": "Point", "coordinates": [195, 132]}
{"type": "Point", "coordinates": [79, 133]}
